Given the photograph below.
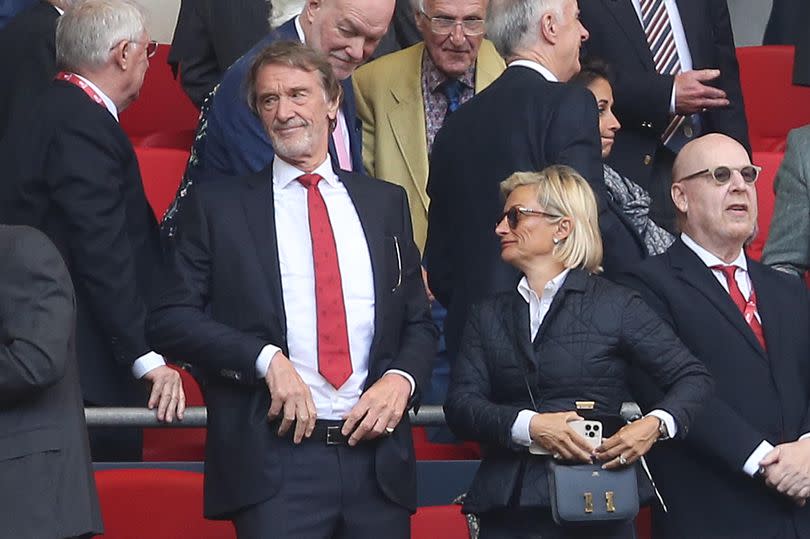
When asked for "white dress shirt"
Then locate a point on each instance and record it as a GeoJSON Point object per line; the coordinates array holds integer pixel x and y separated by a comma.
{"type": "Point", "coordinates": [543, 70]}
{"type": "Point", "coordinates": [681, 45]}
{"type": "Point", "coordinates": [538, 309]}
{"type": "Point", "coordinates": [342, 128]}
{"type": "Point", "coordinates": [150, 360]}
{"type": "Point", "coordinates": [751, 465]}
{"type": "Point", "coordinates": [298, 286]}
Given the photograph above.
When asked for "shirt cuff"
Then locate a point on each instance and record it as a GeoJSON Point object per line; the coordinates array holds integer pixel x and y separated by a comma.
{"type": "Point", "coordinates": [146, 363]}
{"type": "Point", "coordinates": [520, 428]}
{"type": "Point", "coordinates": [804, 436]}
{"type": "Point", "coordinates": [669, 421]}
{"type": "Point", "coordinates": [407, 376]}
{"type": "Point", "coordinates": [263, 361]}
{"type": "Point", "coordinates": [672, 99]}
{"type": "Point", "coordinates": [751, 466]}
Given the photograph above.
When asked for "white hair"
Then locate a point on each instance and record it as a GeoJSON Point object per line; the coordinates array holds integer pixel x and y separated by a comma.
{"type": "Point", "coordinates": [283, 10]}
{"type": "Point", "coordinates": [513, 24]}
{"type": "Point", "coordinates": [89, 30]}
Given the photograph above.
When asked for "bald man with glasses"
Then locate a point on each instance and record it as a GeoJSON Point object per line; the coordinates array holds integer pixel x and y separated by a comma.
{"type": "Point", "coordinates": [744, 471]}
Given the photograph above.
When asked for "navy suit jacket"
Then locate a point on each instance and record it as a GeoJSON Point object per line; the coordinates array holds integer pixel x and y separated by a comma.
{"type": "Point", "coordinates": [223, 303]}
{"type": "Point", "coordinates": [759, 396]}
{"type": "Point", "coordinates": [236, 142]}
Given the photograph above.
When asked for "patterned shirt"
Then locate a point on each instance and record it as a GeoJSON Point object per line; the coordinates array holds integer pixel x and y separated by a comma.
{"type": "Point", "coordinates": [434, 100]}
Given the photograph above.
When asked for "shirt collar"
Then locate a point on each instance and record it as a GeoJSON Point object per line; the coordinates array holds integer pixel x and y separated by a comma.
{"type": "Point", "coordinates": [108, 103]}
{"type": "Point", "coordinates": [711, 260]}
{"type": "Point", "coordinates": [436, 78]}
{"type": "Point", "coordinates": [59, 10]}
{"type": "Point", "coordinates": [299, 30]}
{"type": "Point", "coordinates": [552, 287]}
{"type": "Point", "coordinates": [284, 173]}
{"type": "Point", "coordinates": [543, 70]}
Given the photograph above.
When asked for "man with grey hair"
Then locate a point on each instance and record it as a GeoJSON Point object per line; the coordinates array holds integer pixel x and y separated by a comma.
{"type": "Point", "coordinates": [531, 122]}
{"type": "Point", "coordinates": [28, 55]}
{"type": "Point", "coordinates": [72, 173]}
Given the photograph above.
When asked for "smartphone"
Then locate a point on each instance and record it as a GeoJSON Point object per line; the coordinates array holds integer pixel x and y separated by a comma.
{"type": "Point", "coordinates": [590, 430]}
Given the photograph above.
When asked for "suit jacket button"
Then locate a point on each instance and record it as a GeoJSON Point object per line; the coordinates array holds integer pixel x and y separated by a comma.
{"type": "Point", "coordinates": [237, 376]}
{"type": "Point", "coordinates": [647, 159]}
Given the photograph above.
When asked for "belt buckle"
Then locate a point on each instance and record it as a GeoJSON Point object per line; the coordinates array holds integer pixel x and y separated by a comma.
{"type": "Point", "coordinates": [333, 435]}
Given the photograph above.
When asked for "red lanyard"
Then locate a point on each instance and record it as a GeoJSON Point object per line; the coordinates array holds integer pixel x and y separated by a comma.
{"type": "Point", "coordinates": [74, 79]}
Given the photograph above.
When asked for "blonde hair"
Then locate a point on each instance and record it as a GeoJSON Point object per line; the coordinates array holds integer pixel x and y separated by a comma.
{"type": "Point", "coordinates": [562, 192]}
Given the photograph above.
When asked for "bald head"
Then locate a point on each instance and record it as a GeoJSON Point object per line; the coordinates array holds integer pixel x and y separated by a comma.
{"type": "Point", "coordinates": [347, 31]}
{"type": "Point", "coordinates": [719, 215]}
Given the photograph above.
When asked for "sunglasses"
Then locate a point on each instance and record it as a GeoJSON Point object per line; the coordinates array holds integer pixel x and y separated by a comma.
{"type": "Point", "coordinates": [723, 173]}
{"type": "Point", "coordinates": [513, 214]}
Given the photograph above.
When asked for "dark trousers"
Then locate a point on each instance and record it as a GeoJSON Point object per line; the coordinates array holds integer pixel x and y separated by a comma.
{"type": "Point", "coordinates": [328, 492]}
{"type": "Point", "coordinates": [537, 523]}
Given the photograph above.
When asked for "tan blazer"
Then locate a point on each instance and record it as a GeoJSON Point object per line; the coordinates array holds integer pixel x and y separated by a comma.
{"type": "Point", "coordinates": [388, 93]}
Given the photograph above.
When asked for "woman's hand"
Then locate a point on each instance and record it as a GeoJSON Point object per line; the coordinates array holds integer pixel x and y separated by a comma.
{"type": "Point", "coordinates": [552, 431]}
{"type": "Point", "coordinates": [629, 444]}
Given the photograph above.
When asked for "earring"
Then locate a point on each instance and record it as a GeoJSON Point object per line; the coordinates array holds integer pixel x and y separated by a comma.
{"type": "Point", "coordinates": [555, 241]}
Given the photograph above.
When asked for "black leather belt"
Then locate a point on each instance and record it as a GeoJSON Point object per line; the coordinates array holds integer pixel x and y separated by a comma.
{"type": "Point", "coordinates": [326, 432]}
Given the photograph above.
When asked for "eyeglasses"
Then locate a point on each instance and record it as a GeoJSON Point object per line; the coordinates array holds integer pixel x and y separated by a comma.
{"type": "Point", "coordinates": [513, 215]}
{"type": "Point", "coordinates": [443, 26]}
{"type": "Point", "coordinates": [723, 173]}
{"type": "Point", "coordinates": [151, 46]}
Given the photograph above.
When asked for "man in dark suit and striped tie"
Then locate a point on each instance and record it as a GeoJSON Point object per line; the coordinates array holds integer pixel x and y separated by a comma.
{"type": "Point", "coordinates": [676, 78]}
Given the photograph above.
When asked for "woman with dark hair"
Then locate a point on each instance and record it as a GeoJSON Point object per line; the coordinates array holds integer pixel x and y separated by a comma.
{"type": "Point", "coordinates": [628, 195]}
{"type": "Point", "coordinates": [564, 341]}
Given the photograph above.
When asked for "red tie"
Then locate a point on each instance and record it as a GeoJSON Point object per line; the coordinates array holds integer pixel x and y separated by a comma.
{"type": "Point", "coordinates": [747, 308]}
{"type": "Point", "coordinates": [334, 361]}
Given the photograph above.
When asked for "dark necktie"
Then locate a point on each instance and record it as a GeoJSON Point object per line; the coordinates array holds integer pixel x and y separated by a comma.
{"type": "Point", "coordinates": [452, 88]}
{"type": "Point", "coordinates": [747, 308]}
{"type": "Point", "coordinates": [334, 359]}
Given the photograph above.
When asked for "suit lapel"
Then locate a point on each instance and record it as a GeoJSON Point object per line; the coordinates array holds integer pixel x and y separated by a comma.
{"type": "Point", "coordinates": [768, 308]}
{"type": "Point", "coordinates": [407, 121]}
{"type": "Point", "coordinates": [349, 109]}
{"type": "Point", "coordinates": [257, 201]}
{"type": "Point", "coordinates": [691, 269]}
{"type": "Point", "coordinates": [371, 219]}
{"type": "Point", "coordinates": [690, 18]}
{"type": "Point", "coordinates": [627, 19]}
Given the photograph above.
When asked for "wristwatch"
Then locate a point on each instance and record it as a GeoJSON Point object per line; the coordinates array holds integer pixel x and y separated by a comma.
{"type": "Point", "coordinates": [663, 432]}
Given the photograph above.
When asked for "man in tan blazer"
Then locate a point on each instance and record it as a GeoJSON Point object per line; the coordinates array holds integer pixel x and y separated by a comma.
{"type": "Point", "coordinates": [404, 97]}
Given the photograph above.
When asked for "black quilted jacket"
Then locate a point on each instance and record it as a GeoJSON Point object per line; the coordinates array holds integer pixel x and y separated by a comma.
{"type": "Point", "coordinates": [593, 335]}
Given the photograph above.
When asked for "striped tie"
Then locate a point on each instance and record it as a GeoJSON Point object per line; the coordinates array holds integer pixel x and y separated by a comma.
{"type": "Point", "coordinates": [661, 40]}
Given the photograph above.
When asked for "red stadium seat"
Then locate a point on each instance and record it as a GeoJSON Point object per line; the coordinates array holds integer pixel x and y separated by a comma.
{"type": "Point", "coordinates": [180, 444]}
{"type": "Point", "coordinates": [158, 504]}
{"type": "Point", "coordinates": [427, 450]}
{"type": "Point", "coordinates": [161, 172]}
{"type": "Point", "coordinates": [439, 522]}
{"type": "Point", "coordinates": [162, 107]}
{"type": "Point", "coordinates": [769, 161]}
{"type": "Point", "coordinates": [773, 105]}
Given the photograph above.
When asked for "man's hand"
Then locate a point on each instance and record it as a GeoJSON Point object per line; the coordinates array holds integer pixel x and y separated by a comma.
{"type": "Point", "coordinates": [692, 95]}
{"type": "Point", "coordinates": [553, 432]}
{"type": "Point", "coordinates": [430, 296]}
{"type": "Point", "coordinates": [631, 442]}
{"type": "Point", "coordinates": [787, 469]}
{"type": "Point", "coordinates": [379, 409]}
{"type": "Point", "coordinates": [289, 393]}
{"type": "Point", "coordinates": [167, 393]}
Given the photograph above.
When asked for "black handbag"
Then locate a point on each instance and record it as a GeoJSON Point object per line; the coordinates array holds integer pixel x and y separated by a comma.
{"type": "Point", "coordinates": [587, 494]}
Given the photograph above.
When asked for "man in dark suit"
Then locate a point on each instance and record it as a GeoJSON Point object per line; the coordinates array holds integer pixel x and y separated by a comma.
{"type": "Point", "coordinates": [298, 290]}
{"type": "Point", "coordinates": [210, 36]}
{"type": "Point", "coordinates": [744, 470]}
{"type": "Point", "coordinates": [28, 55]}
{"type": "Point", "coordinates": [47, 488]}
{"type": "Point", "coordinates": [71, 172]}
{"type": "Point", "coordinates": [523, 121]}
{"type": "Point", "coordinates": [787, 25]}
{"type": "Point", "coordinates": [232, 142]}
{"type": "Point", "coordinates": [691, 87]}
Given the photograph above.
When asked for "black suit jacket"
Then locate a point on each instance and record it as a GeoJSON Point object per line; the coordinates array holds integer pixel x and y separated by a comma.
{"type": "Point", "coordinates": [27, 58]}
{"type": "Point", "coordinates": [47, 486]}
{"type": "Point", "coordinates": [521, 122]}
{"type": "Point", "coordinates": [594, 332]}
{"type": "Point", "coordinates": [759, 397]}
{"type": "Point", "coordinates": [642, 95]}
{"type": "Point", "coordinates": [70, 171]}
{"type": "Point", "coordinates": [223, 303]}
{"type": "Point", "coordinates": [209, 36]}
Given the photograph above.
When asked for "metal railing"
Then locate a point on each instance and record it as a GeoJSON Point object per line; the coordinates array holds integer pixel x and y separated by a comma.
{"type": "Point", "coordinates": [195, 416]}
